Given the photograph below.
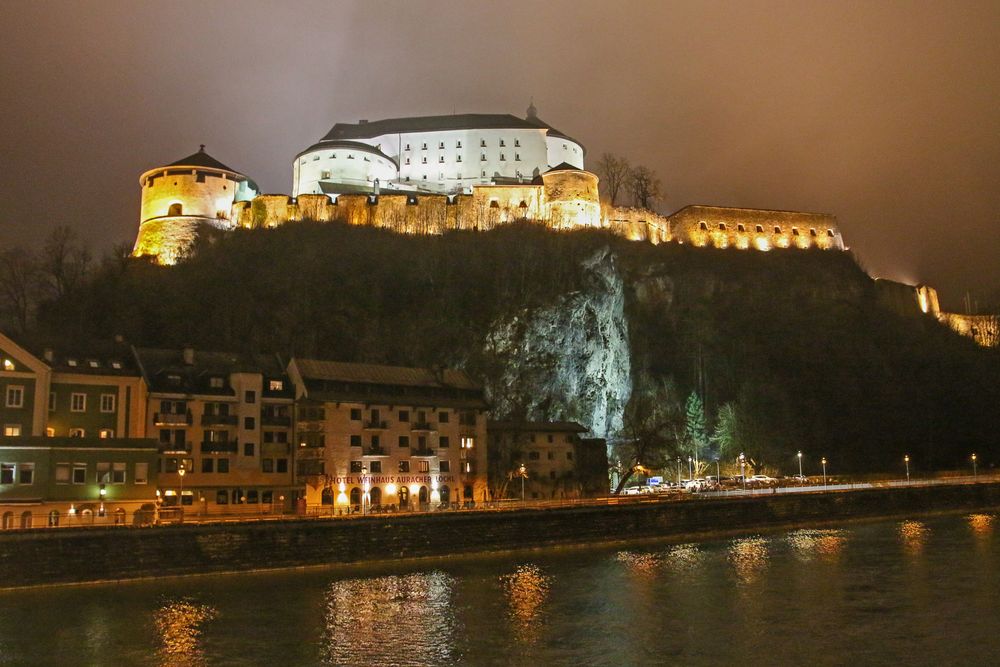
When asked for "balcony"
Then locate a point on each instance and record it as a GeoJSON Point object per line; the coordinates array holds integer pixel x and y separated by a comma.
{"type": "Point", "coordinates": [276, 420]}
{"type": "Point", "coordinates": [376, 451]}
{"type": "Point", "coordinates": [172, 418]}
{"type": "Point", "coordinates": [376, 425]}
{"type": "Point", "coordinates": [423, 452]}
{"type": "Point", "coordinates": [219, 420]}
{"type": "Point", "coordinates": [421, 426]}
{"type": "Point", "coordinates": [175, 447]}
{"type": "Point", "coordinates": [306, 453]}
{"type": "Point", "coordinates": [274, 449]}
{"type": "Point", "coordinates": [222, 447]}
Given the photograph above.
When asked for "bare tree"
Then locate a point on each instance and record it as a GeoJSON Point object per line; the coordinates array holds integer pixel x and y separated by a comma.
{"type": "Point", "coordinates": [614, 173]}
{"type": "Point", "coordinates": [653, 429]}
{"type": "Point", "coordinates": [18, 288]}
{"type": "Point", "coordinates": [644, 186]}
{"type": "Point", "coordinates": [64, 262]}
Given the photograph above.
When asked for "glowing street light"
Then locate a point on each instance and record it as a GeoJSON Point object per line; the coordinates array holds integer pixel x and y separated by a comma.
{"type": "Point", "coordinates": [974, 475]}
{"type": "Point", "coordinates": [743, 474]}
{"type": "Point", "coordinates": [906, 460]}
{"type": "Point", "coordinates": [365, 484]}
{"type": "Point", "coordinates": [800, 465]}
{"type": "Point", "coordinates": [824, 471]}
{"type": "Point", "coordinates": [678, 471]}
{"type": "Point", "coordinates": [180, 499]}
{"type": "Point", "coordinates": [690, 468]}
{"type": "Point", "coordinates": [522, 472]}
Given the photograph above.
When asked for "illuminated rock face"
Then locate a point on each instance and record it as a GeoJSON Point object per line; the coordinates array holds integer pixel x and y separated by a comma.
{"type": "Point", "coordinates": [571, 360]}
{"type": "Point", "coordinates": [182, 198]}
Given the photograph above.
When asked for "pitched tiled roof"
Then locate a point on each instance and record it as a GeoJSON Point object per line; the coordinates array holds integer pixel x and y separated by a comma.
{"type": "Point", "coordinates": [339, 371]}
{"type": "Point", "coordinates": [327, 144]}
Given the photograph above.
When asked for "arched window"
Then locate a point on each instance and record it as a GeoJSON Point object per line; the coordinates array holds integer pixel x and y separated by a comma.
{"type": "Point", "coordinates": [356, 496]}
{"type": "Point", "coordinates": [175, 209]}
{"type": "Point", "coordinates": [54, 518]}
{"type": "Point", "coordinates": [119, 517]}
{"type": "Point", "coordinates": [445, 494]}
{"type": "Point", "coordinates": [326, 498]}
{"type": "Point", "coordinates": [87, 516]}
{"type": "Point", "coordinates": [26, 520]}
{"type": "Point", "coordinates": [8, 520]}
{"type": "Point", "coordinates": [376, 495]}
{"type": "Point", "coordinates": [423, 495]}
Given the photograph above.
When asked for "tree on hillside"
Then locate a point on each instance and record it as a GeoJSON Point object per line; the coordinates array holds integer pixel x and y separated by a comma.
{"type": "Point", "coordinates": [64, 262]}
{"type": "Point", "coordinates": [614, 173]}
{"type": "Point", "coordinates": [653, 429]}
{"type": "Point", "coordinates": [695, 432]}
{"type": "Point", "coordinates": [644, 186]}
{"type": "Point", "coordinates": [18, 288]}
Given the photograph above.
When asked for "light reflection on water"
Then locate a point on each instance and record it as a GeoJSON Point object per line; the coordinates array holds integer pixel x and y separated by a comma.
{"type": "Point", "coordinates": [179, 625]}
{"type": "Point", "coordinates": [398, 620]}
{"type": "Point", "coordinates": [748, 556]}
{"type": "Point", "coordinates": [826, 545]}
{"type": "Point", "coordinates": [981, 524]}
{"type": "Point", "coordinates": [914, 535]}
{"type": "Point", "coordinates": [526, 590]}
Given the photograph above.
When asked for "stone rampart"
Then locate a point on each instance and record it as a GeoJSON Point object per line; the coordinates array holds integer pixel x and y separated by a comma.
{"type": "Point", "coordinates": [759, 229]}
{"type": "Point", "coordinates": [71, 555]}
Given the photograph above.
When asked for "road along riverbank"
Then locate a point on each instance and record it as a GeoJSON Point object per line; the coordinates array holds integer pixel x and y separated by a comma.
{"type": "Point", "coordinates": [79, 555]}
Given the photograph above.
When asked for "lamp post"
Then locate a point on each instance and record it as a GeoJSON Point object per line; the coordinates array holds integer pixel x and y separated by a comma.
{"type": "Point", "coordinates": [690, 468]}
{"type": "Point", "coordinates": [718, 472]}
{"type": "Point", "coordinates": [522, 472]}
{"type": "Point", "coordinates": [824, 471]}
{"type": "Point", "coordinates": [800, 465]}
{"type": "Point", "coordinates": [180, 499]}
{"type": "Point", "coordinates": [103, 493]}
{"type": "Point", "coordinates": [743, 474]}
{"type": "Point", "coordinates": [974, 472]}
{"type": "Point", "coordinates": [906, 460]}
{"type": "Point", "coordinates": [678, 471]}
{"type": "Point", "coordinates": [364, 496]}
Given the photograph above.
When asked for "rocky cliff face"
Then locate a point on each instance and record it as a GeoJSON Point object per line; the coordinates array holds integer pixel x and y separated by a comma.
{"type": "Point", "coordinates": [569, 360]}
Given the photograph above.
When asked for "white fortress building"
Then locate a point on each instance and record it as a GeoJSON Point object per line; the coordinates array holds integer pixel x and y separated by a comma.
{"type": "Point", "coordinates": [433, 154]}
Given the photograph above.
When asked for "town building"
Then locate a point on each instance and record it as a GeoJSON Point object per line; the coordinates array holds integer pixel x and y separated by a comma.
{"type": "Point", "coordinates": [545, 460]}
{"type": "Point", "coordinates": [388, 438]}
{"type": "Point", "coordinates": [223, 424]}
{"type": "Point", "coordinates": [72, 448]}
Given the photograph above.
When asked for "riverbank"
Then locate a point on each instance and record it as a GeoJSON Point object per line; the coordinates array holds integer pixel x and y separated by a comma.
{"type": "Point", "coordinates": [71, 556]}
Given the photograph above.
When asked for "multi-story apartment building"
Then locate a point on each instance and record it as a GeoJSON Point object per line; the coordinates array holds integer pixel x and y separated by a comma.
{"type": "Point", "coordinates": [388, 437]}
{"type": "Point", "coordinates": [223, 424]}
{"type": "Point", "coordinates": [72, 449]}
{"type": "Point", "coordinates": [548, 460]}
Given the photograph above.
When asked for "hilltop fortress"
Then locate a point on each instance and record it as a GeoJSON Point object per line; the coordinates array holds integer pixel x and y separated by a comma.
{"type": "Point", "coordinates": [431, 174]}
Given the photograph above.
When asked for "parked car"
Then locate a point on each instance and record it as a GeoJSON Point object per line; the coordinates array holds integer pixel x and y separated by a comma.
{"type": "Point", "coordinates": [631, 491]}
{"type": "Point", "coordinates": [798, 479]}
{"type": "Point", "coordinates": [761, 481]}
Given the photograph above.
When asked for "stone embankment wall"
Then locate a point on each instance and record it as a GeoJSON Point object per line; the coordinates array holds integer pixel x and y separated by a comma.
{"type": "Point", "coordinates": [46, 556]}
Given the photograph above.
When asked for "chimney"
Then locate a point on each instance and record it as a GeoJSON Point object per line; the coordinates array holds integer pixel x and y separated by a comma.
{"type": "Point", "coordinates": [189, 356]}
{"type": "Point", "coordinates": [48, 354]}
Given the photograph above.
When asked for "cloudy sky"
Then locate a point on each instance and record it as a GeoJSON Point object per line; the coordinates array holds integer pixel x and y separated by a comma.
{"type": "Point", "coordinates": [884, 113]}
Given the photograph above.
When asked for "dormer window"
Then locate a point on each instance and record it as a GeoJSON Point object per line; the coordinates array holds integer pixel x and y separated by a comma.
{"type": "Point", "coordinates": [8, 365]}
{"type": "Point", "coordinates": [276, 385]}
{"type": "Point", "coordinates": [93, 363]}
{"type": "Point", "coordinates": [777, 230]}
{"type": "Point", "coordinates": [703, 226]}
{"type": "Point", "coordinates": [117, 365]}
{"type": "Point", "coordinates": [760, 229]}
{"type": "Point", "coordinates": [215, 383]}
{"type": "Point", "coordinates": [829, 233]}
{"type": "Point", "coordinates": [173, 378]}
{"type": "Point", "coordinates": [812, 232]}
{"type": "Point", "coordinates": [71, 362]}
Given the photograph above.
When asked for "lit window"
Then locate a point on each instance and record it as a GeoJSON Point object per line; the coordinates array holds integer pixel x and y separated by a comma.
{"type": "Point", "coordinates": [8, 365]}
{"type": "Point", "coordinates": [468, 442]}
{"type": "Point", "coordinates": [78, 402]}
{"type": "Point", "coordinates": [50, 432]}
{"type": "Point", "coordinates": [142, 473]}
{"type": "Point", "coordinates": [93, 363]}
{"type": "Point", "coordinates": [107, 402]}
{"type": "Point", "coordinates": [11, 430]}
{"type": "Point", "coordinates": [106, 433]}
{"type": "Point", "coordinates": [15, 396]}
{"type": "Point", "coordinates": [77, 433]}
{"type": "Point", "coordinates": [276, 385]}
{"type": "Point", "coordinates": [71, 362]}
{"type": "Point", "coordinates": [423, 466]}
{"type": "Point", "coordinates": [116, 365]}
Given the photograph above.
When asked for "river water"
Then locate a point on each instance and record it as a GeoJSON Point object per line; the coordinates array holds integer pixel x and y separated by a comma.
{"type": "Point", "coordinates": [920, 591]}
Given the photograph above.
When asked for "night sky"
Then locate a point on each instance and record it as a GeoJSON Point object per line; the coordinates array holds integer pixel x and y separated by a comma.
{"type": "Point", "coordinates": [886, 114]}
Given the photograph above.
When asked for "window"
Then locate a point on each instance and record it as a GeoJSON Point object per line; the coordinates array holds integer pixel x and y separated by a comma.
{"type": "Point", "coordinates": [375, 466]}
{"type": "Point", "coordinates": [11, 430]}
{"type": "Point", "coordinates": [443, 417]}
{"type": "Point", "coordinates": [355, 441]}
{"type": "Point", "coordinates": [8, 365]}
{"type": "Point", "coordinates": [266, 497]}
{"type": "Point", "coordinates": [760, 229]}
{"type": "Point", "coordinates": [62, 473]}
{"type": "Point", "coordinates": [221, 497]}
{"type": "Point", "coordinates": [249, 423]}
{"type": "Point", "coordinates": [355, 466]}
{"type": "Point", "coordinates": [71, 362]}
{"type": "Point", "coordinates": [533, 456]}
{"type": "Point", "coordinates": [6, 473]}
{"type": "Point", "coordinates": [118, 473]}
{"type": "Point", "coordinates": [740, 228]}
{"type": "Point", "coordinates": [216, 383]}
{"type": "Point", "coordinates": [208, 465]}
{"type": "Point", "coordinates": [281, 465]}
{"type": "Point", "coordinates": [77, 433]}
{"type": "Point", "coordinates": [26, 473]}
{"type": "Point", "coordinates": [404, 466]}
{"type": "Point", "coordinates": [423, 160]}
{"type": "Point", "coordinates": [458, 144]}
{"type": "Point", "coordinates": [106, 433]}
{"type": "Point", "coordinates": [503, 158]}
{"type": "Point", "coordinates": [441, 160]}
{"type": "Point", "coordinates": [407, 147]}
{"type": "Point", "coordinates": [79, 473]}
{"type": "Point", "coordinates": [458, 158]}
{"type": "Point", "coordinates": [15, 396]}
{"type": "Point", "coordinates": [777, 229]}
{"type": "Point", "coordinates": [404, 441]}
{"type": "Point", "coordinates": [445, 466]}
{"type": "Point", "coordinates": [502, 144]}
{"type": "Point", "coordinates": [829, 233]}
{"type": "Point", "coordinates": [795, 231]}
{"type": "Point", "coordinates": [440, 144]}
{"type": "Point", "coordinates": [482, 158]}
{"type": "Point", "coordinates": [222, 465]}
{"type": "Point", "coordinates": [324, 175]}
{"type": "Point", "coordinates": [248, 449]}
{"type": "Point", "coordinates": [468, 442]}
{"type": "Point", "coordinates": [722, 226]}
{"type": "Point", "coordinates": [482, 143]}
{"type": "Point", "coordinates": [175, 209]}
{"type": "Point", "coordinates": [171, 465]}
{"type": "Point", "coordinates": [550, 438]}
{"type": "Point", "coordinates": [78, 402]}
{"type": "Point", "coordinates": [517, 143]}
{"type": "Point", "coordinates": [517, 157]}
{"type": "Point", "coordinates": [443, 441]}
{"type": "Point", "coordinates": [552, 474]}
{"type": "Point", "coordinates": [103, 473]}
{"type": "Point", "coordinates": [249, 396]}
{"type": "Point", "coordinates": [52, 401]}
{"type": "Point", "coordinates": [703, 225]}
{"type": "Point", "coordinates": [812, 232]}
{"type": "Point", "coordinates": [407, 160]}
{"type": "Point", "coordinates": [50, 432]}
{"type": "Point", "coordinates": [276, 385]}
{"type": "Point", "coordinates": [267, 465]}
{"type": "Point", "coordinates": [423, 147]}
{"type": "Point", "coordinates": [356, 414]}
{"type": "Point", "coordinates": [252, 497]}
{"type": "Point", "coordinates": [404, 415]}
{"type": "Point", "coordinates": [552, 455]}
{"type": "Point", "coordinates": [423, 466]}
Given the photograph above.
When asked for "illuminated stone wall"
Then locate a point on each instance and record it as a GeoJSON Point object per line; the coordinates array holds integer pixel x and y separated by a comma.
{"type": "Point", "coordinates": [169, 238]}
{"type": "Point", "coordinates": [984, 329]}
{"type": "Point", "coordinates": [759, 229]}
{"type": "Point", "coordinates": [571, 199]}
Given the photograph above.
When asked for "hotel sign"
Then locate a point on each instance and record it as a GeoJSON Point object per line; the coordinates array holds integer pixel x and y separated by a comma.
{"type": "Point", "coordinates": [393, 479]}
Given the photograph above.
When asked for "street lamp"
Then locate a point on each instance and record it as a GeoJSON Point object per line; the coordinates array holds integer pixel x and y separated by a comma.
{"type": "Point", "coordinates": [103, 493]}
{"type": "Point", "coordinates": [678, 471]}
{"type": "Point", "coordinates": [824, 471]}
{"type": "Point", "coordinates": [522, 472]}
{"type": "Point", "coordinates": [180, 499]}
{"type": "Point", "coordinates": [800, 465]}
{"type": "Point", "coordinates": [743, 474]}
{"type": "Point", "coordinates": [906, 460]}
{"type": "Point", "coordinates": [718, 472]}
{"type": "Point", "coordinates": [364, 497]}
{"type": "Point", "coordinates": [690, 468]}
{"type": "Point", "coordinates": [974, 475]}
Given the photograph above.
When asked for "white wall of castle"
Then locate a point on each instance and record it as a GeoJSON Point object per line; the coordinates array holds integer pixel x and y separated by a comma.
{"type": "Point", "coordinates": [446, 162]}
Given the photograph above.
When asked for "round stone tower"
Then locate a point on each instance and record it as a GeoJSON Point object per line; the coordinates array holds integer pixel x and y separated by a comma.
{"type": "Point", "coordinates": [571, 197]}
{"type": "Point", "coordinates": [181, 199]}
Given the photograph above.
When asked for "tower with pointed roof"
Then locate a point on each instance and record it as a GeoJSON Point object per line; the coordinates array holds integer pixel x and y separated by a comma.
{"type": "Point", "coordinates": [181, 199]}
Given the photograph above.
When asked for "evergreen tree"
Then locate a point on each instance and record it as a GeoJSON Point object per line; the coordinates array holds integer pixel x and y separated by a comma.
{"type": "Point", "coordinates": [726, 435]}
{"type": "Point", "coordinates": [694, 419]}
